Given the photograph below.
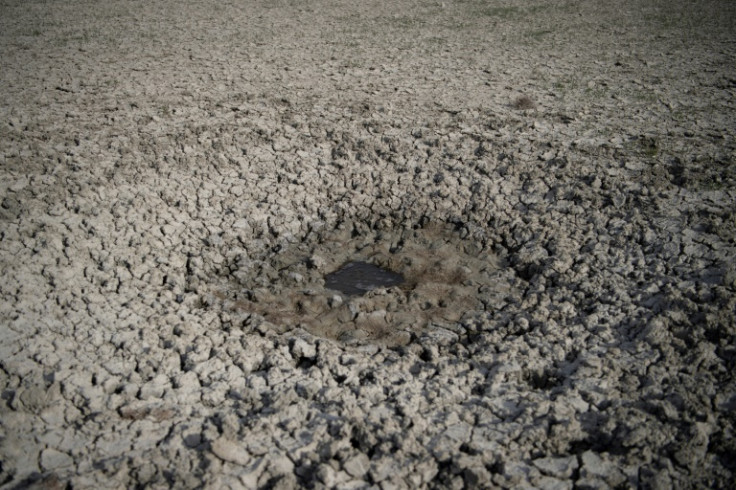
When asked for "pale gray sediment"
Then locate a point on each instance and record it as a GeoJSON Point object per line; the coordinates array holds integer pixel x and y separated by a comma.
{"type": "Point", "coordinates": [555, 182]}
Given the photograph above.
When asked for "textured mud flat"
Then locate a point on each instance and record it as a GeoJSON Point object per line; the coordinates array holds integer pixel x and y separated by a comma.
{"type": "Point", "coordinates": [555, 182]}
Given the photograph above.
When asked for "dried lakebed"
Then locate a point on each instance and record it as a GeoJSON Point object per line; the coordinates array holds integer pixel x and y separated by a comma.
{"type": "Point", "coordinates": [555, 183]}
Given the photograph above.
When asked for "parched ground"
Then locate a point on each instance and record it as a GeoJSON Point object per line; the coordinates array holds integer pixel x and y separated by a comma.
{"type": "Point", "coordinates": [555, 179]}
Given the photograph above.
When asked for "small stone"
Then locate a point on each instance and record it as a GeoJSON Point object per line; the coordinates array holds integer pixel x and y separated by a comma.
{"type": "Point", "coordinates": [593, 464]}
{"type": "Point", "coordinates": [230, 451]}
{"type": "Point", "coordinates": [301, 349]}
{"type": "Point", "coordinates": [595, 467]}
{"type": "Point", "coordinates": [280, 465]}
{"type": "Point", "coordinates": [459, 432]}
{"type": "Point", "coordinates": [517, 472]}
{"type": "Point", "coordinates": [426, 471]}
{"type": "Point", "coordinates": [383, 469]}
{"type": "Point", "coordinates": [326, 475]}
{"type": "Point", "coordinates": [559, 467]}
{"type": "Point", "coordinates": [550, 483]}
{"type": "Point", "coordinates": [51, 459]}
{"type": "Point", "coordinates": [357, 466]}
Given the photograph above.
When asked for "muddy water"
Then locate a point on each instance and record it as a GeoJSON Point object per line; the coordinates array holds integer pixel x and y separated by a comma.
{"type": "Point", "coordinates": [356, 278]}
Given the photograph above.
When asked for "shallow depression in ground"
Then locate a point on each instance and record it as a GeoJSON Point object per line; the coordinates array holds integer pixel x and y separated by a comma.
{"type": "Point", "coordinates": [376, 286]}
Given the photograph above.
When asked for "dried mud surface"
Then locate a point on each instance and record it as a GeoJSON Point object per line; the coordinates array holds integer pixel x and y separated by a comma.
{"type": "Point", "coordinates": [555, 179]}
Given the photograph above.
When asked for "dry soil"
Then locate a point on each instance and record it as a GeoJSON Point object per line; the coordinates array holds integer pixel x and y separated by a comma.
{"type": "Point", "coordinates": [556, 180]}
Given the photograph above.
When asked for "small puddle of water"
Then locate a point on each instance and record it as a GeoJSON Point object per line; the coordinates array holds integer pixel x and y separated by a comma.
{"type": "Point", "coordinates": [356, 278]}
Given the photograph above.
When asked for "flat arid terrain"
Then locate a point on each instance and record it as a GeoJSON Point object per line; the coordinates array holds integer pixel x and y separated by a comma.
{"type": "Point", "coordinates": [367, 244]}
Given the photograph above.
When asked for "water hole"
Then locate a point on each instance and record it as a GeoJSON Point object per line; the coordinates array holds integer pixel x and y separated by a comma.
{"type": "Point", "coordinates": [358, 277]}
{"type": "Point", "coordinates": [381, 286]}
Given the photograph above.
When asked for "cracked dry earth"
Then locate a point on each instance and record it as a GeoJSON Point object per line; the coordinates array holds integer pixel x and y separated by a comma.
{"type": "Point", "coordinates": [554, 179]}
